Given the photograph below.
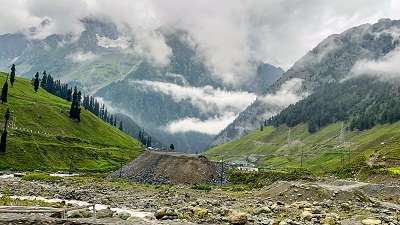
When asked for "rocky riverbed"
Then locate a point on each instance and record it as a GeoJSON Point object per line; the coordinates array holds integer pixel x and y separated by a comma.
{"type": "Point", "coordinates": [325, 201]}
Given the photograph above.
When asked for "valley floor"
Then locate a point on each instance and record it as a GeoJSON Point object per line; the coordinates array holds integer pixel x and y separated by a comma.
{"type": "Point", "coordinates": [321, 201]}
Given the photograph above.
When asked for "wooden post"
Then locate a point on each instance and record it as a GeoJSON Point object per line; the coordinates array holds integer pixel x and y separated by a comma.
{"type": "Point", "coordinates": [94, 213]}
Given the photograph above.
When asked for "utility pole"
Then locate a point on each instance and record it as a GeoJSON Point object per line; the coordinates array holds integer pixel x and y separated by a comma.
{"type": "Point", "coordinates": [222, 169]}
{"type": "Point", "coordinates": [302, 155]}
{"type": "Point", "coordinates": [342, 142]}
{"type": "Point", "coordinates": [70, 164]}
{"type": "Point", "coordinates": [120, 170]}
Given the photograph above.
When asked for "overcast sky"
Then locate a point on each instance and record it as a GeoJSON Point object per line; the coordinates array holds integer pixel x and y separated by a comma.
{"type": "Point", "coordinates": [230, 33]}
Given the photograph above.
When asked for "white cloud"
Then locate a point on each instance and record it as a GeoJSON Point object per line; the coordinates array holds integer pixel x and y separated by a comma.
{"type": "Point", "coordinates": [230, 34]}
{"type": "Point", "coordinates": [387, 67]}
{"type": "Point", "coordinates": [79, 56]}
{"type": "Point", "coordinates": [121, 42]}
{"type": "Point", "coordinates": [289, 93]}
{"type": "Point", "coordinates": [210, 126]}
{"type": "Point", "coordinates": [207, 99]}
{"type": "Point", "coordinates": [152, 46]}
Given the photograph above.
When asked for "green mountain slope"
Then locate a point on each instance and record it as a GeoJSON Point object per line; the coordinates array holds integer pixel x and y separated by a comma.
{"type": "Point", "coordinates": [41, 135]}
{"type": "Point", "coordinates": [322, 151]}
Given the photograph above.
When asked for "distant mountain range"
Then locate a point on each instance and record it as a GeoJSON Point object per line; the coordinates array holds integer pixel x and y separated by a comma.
{"type": "Point", "coordinates": [182, 103]}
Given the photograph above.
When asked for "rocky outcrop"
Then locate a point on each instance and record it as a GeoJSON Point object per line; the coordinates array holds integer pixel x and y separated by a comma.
{"type": "Point", "coordinates": [172, 168]}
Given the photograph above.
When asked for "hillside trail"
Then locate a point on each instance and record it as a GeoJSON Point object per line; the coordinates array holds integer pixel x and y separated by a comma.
{"type": "Point", "coordinates": [342, 185]}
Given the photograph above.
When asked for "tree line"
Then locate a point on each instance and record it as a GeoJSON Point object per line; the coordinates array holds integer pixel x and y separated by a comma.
{"type": "Point", "coordinates": [363, 102]}
{"type": "Point", "coordinates": [62, 90]}
{"type": "Point", "coordinates": [73, 95]}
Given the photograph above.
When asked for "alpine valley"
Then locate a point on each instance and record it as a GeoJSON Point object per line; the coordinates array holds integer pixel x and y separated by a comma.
{"type": "Point", "coordinates": [171, 102]}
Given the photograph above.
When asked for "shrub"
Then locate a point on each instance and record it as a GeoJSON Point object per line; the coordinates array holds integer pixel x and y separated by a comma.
{"type": "Point", "coordinates": [40, 177]}
{"type": "Point", "coordinates": [262, 178]}
{"type": "Point", "coordinates": [202, 187]}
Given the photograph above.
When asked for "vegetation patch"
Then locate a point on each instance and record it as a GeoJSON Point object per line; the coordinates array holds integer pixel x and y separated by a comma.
{"type": "Point", "coordinates": [262, 178]}
{"type": "Point", "coordinates": [202, 187]}
{"type": "Point", "coordinates": [8, 201]}
{"type": "Point", "coordinates": [41, 177]}
{"type": "Point", "coordinates": [42, 136]}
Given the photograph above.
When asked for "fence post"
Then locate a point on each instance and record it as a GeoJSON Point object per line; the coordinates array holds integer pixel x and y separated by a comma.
{"type": "Point", "coordinates": [94, 213]}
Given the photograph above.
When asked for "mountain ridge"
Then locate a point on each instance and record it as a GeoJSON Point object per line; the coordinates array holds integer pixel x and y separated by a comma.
{"type": "Point", "coordinates": [329, 61]}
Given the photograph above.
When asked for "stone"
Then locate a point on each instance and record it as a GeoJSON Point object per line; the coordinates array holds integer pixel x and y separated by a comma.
{"type": "Point", "coordinates": [124, 215]}
{"type": "Point", "coordinates": [328, 220]}
{"type": "Point", "coordinates": [262, 210]}
{"type": "Point", "coordinates": [74, 214]}
{"type": "Point", "coordinates": [306, 215]}
{"type": "Point", "coordinates": [104, 213]}
{"type": "Point", "coordinates": [159, 214]}
{"type": "Point", "coordinates": [237, 218]}
{"type": "Point", "coordinates": [166, 214]}
{"type": "Point", "coordinates": [371, 221]}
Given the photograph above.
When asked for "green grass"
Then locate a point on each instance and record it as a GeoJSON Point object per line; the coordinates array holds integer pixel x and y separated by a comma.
{"type": "Point", "coordinates": [41, 177]}
{"type": "Point", "coordinates": [202, 187]}
{"type": "Point", "coordinates": [90, 145]}
{"type": "Point", "coordinates": [321, 151]}
{"type": "Point", "coordinates": [8, 201]}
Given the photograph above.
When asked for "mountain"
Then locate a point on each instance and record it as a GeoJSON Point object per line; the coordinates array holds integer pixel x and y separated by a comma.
{"type": "Point", "coordinates": [104, 62]}
{"type": "Point", "coordinates": [352, 123]}
{"type": "Point", "coordinates": [88, 60]}
{"type": "Point", "coordinates": [131, 128]}
{"type": "Point", "coordinates": [320, 152]}
{"type": "Point", "coordinates": [331, 61]}
{"type": "Point", "coordinates": [42, 136]}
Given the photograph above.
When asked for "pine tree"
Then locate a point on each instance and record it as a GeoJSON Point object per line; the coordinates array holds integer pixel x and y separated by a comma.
{"type": "Point", "coordinates": [4, 92]}
{"type": "Point", "coordinates": [121, 128]}
{"type": "Point", "coordinates": [148, 142]}
{"type": "Point", "coordinates": [75, 110]}
{"type": "Point", "coordinates": [43, 82]}
{"type": "Point", "coordinates": [12, 75]}
{"type": "Point", "coordinates": [36, 82]}
{"type": "Point", "coordinates": [3, 141]}
{"type": "Point", "coordinates": [140, 135]}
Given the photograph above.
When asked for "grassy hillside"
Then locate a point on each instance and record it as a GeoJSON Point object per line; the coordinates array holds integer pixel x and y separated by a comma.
{"type": "Point", "coordinates": [322, 151]}
{"type": "Point", "coordinates": [45, 138]}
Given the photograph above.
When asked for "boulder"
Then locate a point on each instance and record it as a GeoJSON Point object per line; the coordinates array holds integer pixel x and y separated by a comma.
{"type": "Point", "coordinates": [124, 215]}
{"type": "Point", "coordinates": [104, 213]}
{"type": "Point", "coordinates": [159, 214]}
{"type": "Point", "coordinates": [237, 218]}
{"type": "Point", "coordinates": [306, 215]}
{"type": "Point", "coordinates": [371, 221]}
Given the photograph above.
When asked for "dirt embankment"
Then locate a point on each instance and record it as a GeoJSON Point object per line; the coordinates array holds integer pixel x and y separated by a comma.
{"type": "Point", "coordinates": [172, 168]}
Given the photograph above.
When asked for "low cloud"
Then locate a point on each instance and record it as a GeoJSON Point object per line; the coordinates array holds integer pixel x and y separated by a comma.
{"type": "Point", "coordinates": [289, 93]}
{"type": "Point", "coordinates": [79, 57]}
{"type": "Point", "coordinates": [385, 67]}
{"type": "Point", "coordinates": [222, 105]}
{"type": "Point", "coordinates": [121, 42]}
{"type": "Point", "coordinates": [153, 47]}
{"type": "Point", "coordinates": [207, 99]}
{"type": "Point", "coordinates": [210, 126]}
